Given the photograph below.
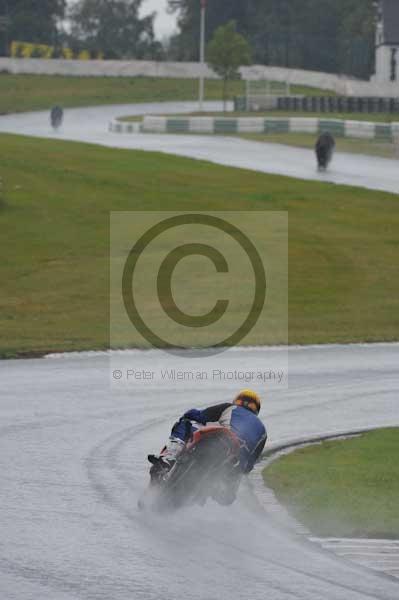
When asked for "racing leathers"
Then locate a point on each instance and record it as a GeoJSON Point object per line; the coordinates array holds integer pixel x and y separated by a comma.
{"type": "Point", "coordinates": [242, 421]}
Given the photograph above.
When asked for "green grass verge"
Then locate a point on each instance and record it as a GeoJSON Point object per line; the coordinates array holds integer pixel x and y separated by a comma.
{"type": "Point", "coordinates": [347, 488]}
{"type": "Point", "coordinates": [306, 140]}
{"type": "Point", "coordinates": [54, 243]}
{"type": "Point", "coordinates": [20, 93]}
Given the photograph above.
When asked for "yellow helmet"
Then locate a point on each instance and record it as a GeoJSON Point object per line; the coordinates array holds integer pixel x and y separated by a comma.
{"type": "Point", "coordinates": [249, 399]}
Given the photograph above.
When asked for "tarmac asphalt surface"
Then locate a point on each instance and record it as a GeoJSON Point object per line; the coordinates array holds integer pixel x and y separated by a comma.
{"type": "Point", "coordinates": [73, 442]}
{"type": "Point", "coordinates": [72, 458]}
{"type": "Point", "coordinates": [91, 124]}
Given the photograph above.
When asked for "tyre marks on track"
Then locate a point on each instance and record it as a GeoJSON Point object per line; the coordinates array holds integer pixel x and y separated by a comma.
{"type": "Point", "coordinates": [114, 483]}
{"type": "Point", "coordinates": [110, 477]}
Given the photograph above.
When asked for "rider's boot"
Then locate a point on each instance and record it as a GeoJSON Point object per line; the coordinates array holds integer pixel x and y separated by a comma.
{"type": "Point", "coordinates": [168, 456]}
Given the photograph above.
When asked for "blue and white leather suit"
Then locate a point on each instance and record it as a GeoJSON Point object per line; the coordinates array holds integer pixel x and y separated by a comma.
{"type": "Point", "coordinates": [242, 421]}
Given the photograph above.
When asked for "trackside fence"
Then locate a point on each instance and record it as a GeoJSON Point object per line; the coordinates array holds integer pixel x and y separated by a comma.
{"type": "Point", "coordinates": [328, 104]}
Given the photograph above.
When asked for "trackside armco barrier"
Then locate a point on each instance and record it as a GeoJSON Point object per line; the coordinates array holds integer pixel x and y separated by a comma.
{"type": "Point", "coordinates": [121, 127]}
{"type": "Point", "coordinates": [184, 70]}
{"type": "Point", "coordinates": [105, 68]}
{"type": "Point", "coordinates": [327, 104]}
{"type": "Point", "coordinates": [355, 129]}
{"type": "Point", "coordinates": [340, 84]}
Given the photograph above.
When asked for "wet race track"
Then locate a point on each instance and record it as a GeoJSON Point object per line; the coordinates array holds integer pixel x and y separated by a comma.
{"type": "Point", "coordinates": [72, 454]}
{"type": "Point", "coordinates": [91, 124]}
{"type": "Point", "coordinates": [73, 443]}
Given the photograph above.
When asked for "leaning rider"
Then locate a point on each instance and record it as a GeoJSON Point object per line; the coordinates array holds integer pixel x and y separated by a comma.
{"type": "Point", "coordinates": [241, 417]}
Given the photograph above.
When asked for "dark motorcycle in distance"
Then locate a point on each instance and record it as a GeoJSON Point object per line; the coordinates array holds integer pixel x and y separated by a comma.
{"type": "Point", "coordinates": [324, 150]}
{"type": "Point", "coordinates": [56, 117]}
{"type": "Point", "coordinates": [208, 467]}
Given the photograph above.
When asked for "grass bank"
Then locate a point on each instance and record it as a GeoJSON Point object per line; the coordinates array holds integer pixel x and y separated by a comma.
{"type": "Point", "coordinates": [54, 242]}
{"type": "Point", "coordinates": [19, 93]}
{"type": "Point", "coordinates": [347, 488]}
{"type": "Point", "coordinates": [372, 147]}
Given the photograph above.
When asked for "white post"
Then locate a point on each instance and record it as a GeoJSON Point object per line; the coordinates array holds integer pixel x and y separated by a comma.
{"type": "Point", "coordinates": [202, 56]}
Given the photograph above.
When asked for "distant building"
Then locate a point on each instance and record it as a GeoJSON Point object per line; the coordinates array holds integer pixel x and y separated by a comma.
{"type": "Point", "coordinates": [387, 41]}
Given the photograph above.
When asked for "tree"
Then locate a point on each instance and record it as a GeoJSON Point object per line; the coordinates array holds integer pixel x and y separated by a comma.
{"type": "Point", "coordinates": [218, 13]}
{"type": "Point", "coordinates": [33, 21]}
{"type": "Point", "coordinates": [115, 28]}
{"type": "Point", "coordinates": [325, 35]}
{"type": "Point", "coordinates": [227, 51]}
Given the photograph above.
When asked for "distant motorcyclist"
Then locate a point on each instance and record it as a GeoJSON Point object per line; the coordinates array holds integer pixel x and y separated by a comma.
{"type": "Point", "coordinates": [56, 117]}
{"type": "Point", "coordinates": [324, 150]}
{"type": "Point", "coordinates": [240, 416]}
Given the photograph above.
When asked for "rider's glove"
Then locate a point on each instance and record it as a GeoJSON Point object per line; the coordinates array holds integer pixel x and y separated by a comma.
{"type": "Point", "coordinates": [195, 415]}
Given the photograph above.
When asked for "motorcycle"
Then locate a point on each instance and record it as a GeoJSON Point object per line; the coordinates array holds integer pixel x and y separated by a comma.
{"type": "Point", "coordinates": [56, 117]}
{"type": "Point", "coordinates": [324, 150]}
{"type": "Point", "coordinates": [208, 466]}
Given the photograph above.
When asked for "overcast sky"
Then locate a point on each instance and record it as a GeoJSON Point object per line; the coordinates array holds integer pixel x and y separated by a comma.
{"type": "Point", "coordinates": [164, 24]}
